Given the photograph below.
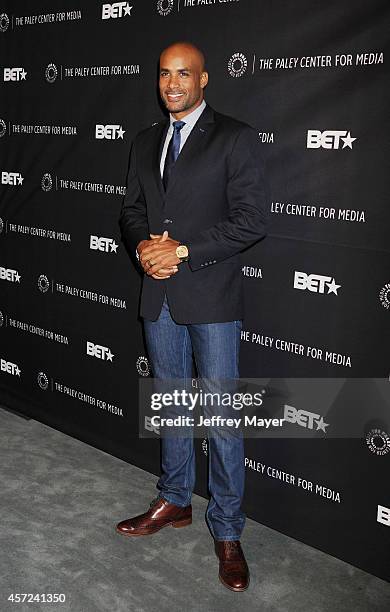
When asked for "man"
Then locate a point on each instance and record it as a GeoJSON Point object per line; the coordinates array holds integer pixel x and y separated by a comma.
{"type": "Point", "coordinates": [194, 200]}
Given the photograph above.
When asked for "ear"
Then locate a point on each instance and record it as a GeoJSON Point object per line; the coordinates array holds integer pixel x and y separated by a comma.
{"type": "Point", "coordinates": [204, 79]}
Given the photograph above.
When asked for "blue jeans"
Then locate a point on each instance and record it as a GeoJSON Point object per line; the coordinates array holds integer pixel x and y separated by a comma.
{"type": "Point", "coordinates": [216, 351]}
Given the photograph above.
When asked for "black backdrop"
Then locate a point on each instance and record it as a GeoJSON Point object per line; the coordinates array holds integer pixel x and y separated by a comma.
{"type": "Point", "coordinates": [78, 81]}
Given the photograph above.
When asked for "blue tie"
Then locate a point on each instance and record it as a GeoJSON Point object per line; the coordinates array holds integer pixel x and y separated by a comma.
{"type": "Point", "coordinates": [172, 152]}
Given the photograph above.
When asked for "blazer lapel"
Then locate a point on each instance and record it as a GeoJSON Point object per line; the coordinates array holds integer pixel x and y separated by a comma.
{"type": "Point", "coordinates": [161, 133]}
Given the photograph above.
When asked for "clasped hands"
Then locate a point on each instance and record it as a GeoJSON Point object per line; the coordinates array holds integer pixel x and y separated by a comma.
{"type": "Point", "coordinates": [158, 257]}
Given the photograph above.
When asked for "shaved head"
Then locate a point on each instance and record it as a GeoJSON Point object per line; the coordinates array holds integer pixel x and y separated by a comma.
{"type": "Point", "coordinates": [182, 78]}
{"type": "Point", "coordinates": [183, 46]}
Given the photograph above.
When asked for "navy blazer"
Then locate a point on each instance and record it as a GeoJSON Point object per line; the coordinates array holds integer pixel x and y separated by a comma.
{"type": "Point", "coordinates": [215, 204]}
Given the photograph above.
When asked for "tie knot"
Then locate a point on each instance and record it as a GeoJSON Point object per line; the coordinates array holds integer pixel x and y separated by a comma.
{"type": "Point", "coordinates": [177, 125]}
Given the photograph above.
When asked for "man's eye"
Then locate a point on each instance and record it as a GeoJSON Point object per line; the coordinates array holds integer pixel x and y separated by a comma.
{"type": "Point", "coordinates": [184, 74]}
{"type": "Point", "coordinates": [163, 74]}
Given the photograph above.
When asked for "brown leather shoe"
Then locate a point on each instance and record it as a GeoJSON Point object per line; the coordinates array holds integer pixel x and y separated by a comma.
{"type": "Point", "coordinates": [160, 514]}
{"type": "Point", "coordinates": [233, 568]}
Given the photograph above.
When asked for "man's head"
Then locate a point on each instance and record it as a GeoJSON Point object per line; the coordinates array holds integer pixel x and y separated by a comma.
{"type": "Point", "coordinates": [182, 78]}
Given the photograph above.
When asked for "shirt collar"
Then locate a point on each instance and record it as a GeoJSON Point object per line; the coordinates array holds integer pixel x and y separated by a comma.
{"type": "Point", "coordinates": [191, 118]}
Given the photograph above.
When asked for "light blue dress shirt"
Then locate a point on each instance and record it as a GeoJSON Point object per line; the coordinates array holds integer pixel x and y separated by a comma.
{"type": "Point", "coordinates": [185, 131]}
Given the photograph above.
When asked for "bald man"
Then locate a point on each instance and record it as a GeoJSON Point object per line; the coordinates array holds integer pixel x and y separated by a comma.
{"type": "Point", "coordinates": [194, 201]}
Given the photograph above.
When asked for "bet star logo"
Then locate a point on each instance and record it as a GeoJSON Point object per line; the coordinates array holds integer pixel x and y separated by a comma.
{"type": "Point", "coordinates": [315, 283]}
{"type": "Point", "coordinates": [9, 367]}
{"type": "Point", "coordinates": [304, 418]}
{"type": "Point", "coordinates": [8, 274]}
{"type": "Point", "coordinates": [99, 351]}
{"type": "Point", "coordinates": [330, 139]}
{"type": "Point", "coordinates": [332, 287]}
{"type": "Point", "coordinates": [321, 425]}
{"type": "Point", "coordinates": [11, 178]}
{"type": "Point", "coordinates": [347, 141]}
{"type": "Point", "coordinates": [109, 132]}
{"type": "Point", "coordinates": [107, 245]}
{"type": "Point", "coordinates": [14, 74]}
{"type": "Point", "coordinates": [116, 10]}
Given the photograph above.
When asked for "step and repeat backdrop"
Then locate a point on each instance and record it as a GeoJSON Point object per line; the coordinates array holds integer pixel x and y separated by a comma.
{"type": "Point", "coordinates": [78, 80]}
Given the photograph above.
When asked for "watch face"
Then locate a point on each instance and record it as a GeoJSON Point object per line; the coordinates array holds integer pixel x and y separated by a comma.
{"type": "Point", "coordinates": [182, 251]}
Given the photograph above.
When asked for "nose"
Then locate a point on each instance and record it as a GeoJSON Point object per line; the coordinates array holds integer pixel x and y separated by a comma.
{"type": "Point", "coordinates": [173, 82]}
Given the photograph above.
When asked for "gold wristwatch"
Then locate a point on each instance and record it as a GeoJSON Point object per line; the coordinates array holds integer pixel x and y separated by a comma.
{"type": "Point", "coordinates": [182, 252]}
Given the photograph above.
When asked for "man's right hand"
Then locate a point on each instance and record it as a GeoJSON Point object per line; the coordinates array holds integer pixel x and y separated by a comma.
{"type": "Point", "coordinates": [162, 272]}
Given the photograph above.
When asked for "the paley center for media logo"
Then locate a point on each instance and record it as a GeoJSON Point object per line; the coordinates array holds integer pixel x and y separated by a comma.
{"type": "Point", "coordinates": [43, 381]}
{"type": "Point", "coordinates": [51, 73]}
{"type": "Point", "coordinates": [378, 441]}
{"type": "Point", "coordinates": [47, 182]}
{"type": "Point", "coordinates": [142, 365]}
{"type": "Point", "coordinates": [43, 283]}
{"type": "Point", "coordinates": [384, 296]}
{"type": "Point", "coordinates": [164, 7]}
{"type": "Point", "coordinates": [237, 65]}
{"type": "Point", "coordinates": [4, 22]}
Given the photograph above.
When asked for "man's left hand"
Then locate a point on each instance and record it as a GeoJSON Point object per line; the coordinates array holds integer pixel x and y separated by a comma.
{"type": "Point", "coordinates": [160, 255]}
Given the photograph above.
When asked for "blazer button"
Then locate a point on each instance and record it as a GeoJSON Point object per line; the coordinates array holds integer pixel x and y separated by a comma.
{"type": "Point", "coordinates": [167, 221]}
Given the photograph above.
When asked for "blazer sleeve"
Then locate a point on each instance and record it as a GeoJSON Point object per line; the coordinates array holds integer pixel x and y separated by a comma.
{"type": "Point", "coordinates": [246, 220]}
{"type": "Point", "coordinates": [133, 219]}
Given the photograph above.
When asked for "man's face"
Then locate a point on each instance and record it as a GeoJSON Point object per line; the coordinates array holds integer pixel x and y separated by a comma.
{"type": "Point", "coordinates": [182, 80]}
